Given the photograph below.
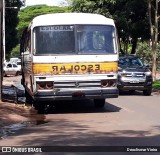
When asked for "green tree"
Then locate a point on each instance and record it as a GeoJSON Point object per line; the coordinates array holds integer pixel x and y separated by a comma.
{"type": "Point", "coordinates": [11, 22]}
{"type": "Point", "coordinates": [15, 51]}
{"type": "Point", "coordinates": [27, 14]}
{"type": "Point", "coordinates": [144, 52]}
{"type": "Point", "coordinates": [130, 17]}
{"type": "Point", "coordinates": [92, 6]}
{"type": "Point", "coordinates": [153, 21]}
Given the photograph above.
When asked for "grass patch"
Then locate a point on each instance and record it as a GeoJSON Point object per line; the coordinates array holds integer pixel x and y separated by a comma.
{"type": "Point", "coordinates": [156, 84]}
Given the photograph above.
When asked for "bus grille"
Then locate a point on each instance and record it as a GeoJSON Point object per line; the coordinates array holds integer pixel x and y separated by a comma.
{"type": "Point", "coordinates": [77, 84]}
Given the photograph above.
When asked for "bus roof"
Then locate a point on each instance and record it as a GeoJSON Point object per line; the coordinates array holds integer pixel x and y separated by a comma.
{"type": "Point", "coordinates": [70, 19]}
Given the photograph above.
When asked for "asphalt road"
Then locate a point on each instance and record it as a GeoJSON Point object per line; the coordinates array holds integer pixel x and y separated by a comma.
{"type": "Point", "coordinates": [130, 120]}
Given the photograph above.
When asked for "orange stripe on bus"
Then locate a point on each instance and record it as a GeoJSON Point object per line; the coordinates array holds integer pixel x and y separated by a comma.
{"type": "Point", "coordinates": [81, 68]}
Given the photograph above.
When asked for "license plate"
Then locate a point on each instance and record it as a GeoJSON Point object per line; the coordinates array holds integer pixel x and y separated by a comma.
{"type": "Point", "coordinates": [134, 81]}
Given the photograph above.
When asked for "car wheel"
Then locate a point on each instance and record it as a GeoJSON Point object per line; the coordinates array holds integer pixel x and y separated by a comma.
{"type": "Point", "coordinates": [99, 103]}
{"type": "Point", "coordinates": [147, 92]}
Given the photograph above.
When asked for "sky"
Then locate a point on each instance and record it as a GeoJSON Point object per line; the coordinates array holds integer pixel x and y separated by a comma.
{"type": "Point", "coordinates": [47, 2]}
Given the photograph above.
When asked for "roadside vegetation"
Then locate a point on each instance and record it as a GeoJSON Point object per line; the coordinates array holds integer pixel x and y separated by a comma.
{"type": "Point", "coordinates": [156, 85]}
{"type": "Point", "coordinates": [25, 17]}
{"type": "Point", "coordinates": [144, 51]}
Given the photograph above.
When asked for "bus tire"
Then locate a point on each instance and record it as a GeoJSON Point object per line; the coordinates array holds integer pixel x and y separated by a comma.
{"type": "Point", "coordinates": [29, 99]}
{"type": "Point", "coordinates": [40, 107]}
{"type": "Point", "coordinates": [99, 103]}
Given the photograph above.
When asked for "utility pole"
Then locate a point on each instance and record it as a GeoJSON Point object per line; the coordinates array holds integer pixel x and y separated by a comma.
{"type": "Point", "coordinates": [1, 55]}
{"type": "Point", "coordinates": [3, 32]}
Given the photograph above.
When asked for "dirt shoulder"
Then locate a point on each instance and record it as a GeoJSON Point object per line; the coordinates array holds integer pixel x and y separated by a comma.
{"type": "Point", "coordinates": [11, 113]}
{"type": "Point", "coordinates": [16, 116]}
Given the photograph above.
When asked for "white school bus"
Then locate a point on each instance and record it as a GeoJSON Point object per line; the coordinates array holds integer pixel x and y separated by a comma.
{"type": "Point", "coordinates": [70, 56]}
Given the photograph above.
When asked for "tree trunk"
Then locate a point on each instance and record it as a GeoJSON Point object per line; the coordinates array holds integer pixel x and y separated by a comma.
{"type": "Point", "coordinates": [154, 51]}
{"type": "Point", "coordinates": [1, 55]}
{"type": "Point", "coordinates": [154, 35]}
{"type": "Point", "coordinates": [134, 45]}
{"type": "Point", "coordinates": [126, 46]}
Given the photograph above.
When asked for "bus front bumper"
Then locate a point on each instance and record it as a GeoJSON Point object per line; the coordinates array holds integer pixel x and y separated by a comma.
{"type": "Point", "coordinates": [76, 94]}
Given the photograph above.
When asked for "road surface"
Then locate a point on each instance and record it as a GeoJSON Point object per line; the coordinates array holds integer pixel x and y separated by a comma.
{"type": "Point", "coordinates": [130, 120]}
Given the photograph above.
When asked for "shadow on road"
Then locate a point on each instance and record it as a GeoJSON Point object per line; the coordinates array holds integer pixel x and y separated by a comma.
{"type": "Point", "coordinates": [131, 93]}
{"type": "Point", "coordinates": [10, 94]}
{"type": "Point", "coordinates": [78, 106]}
{"type": "Point", "coordinates": [135, 93]}
{"type": "Point", "coordinates": [69, 133]}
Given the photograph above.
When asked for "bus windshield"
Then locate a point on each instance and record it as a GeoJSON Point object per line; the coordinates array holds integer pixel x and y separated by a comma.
{"type": "Point", "coordinates": [75, 39]}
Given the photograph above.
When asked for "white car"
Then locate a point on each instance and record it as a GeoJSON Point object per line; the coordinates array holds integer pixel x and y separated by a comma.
{"type": "Point", "coordinates": [19, 64]}
{"type": "Point", "coordinates": [11, 69]}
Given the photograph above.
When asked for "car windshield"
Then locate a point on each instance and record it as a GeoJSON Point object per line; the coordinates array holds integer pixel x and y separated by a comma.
{"type": "Point", "coordinates": [130, 62]}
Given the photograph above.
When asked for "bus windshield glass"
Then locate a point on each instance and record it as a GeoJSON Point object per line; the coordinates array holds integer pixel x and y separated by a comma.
{"type": "Point", "coordinates": [75, 39]}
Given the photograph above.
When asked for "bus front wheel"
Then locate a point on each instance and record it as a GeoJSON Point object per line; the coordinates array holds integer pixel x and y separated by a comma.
{"type": "Point", "coordinates": [40, 107]}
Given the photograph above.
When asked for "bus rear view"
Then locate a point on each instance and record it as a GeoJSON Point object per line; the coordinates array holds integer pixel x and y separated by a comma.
{"type": "Point", "coordinates": [69, 56]}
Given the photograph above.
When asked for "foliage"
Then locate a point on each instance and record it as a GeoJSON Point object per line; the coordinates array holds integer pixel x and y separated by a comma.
{"type": "Point", "coordinates": [11, 22]}
{"type": "Point", "coordinates": [144, 51]}
{"type": "Point", "coordinates": [153, 22]}
{"type": "Point", "coordinates": [156, 84]}
{"type": "Point", "coordinates": [92, 6]}
{"type": "Point", "coordinates": [27, 14]}
{"type": "Point", "coordinates": [15, 51]}
{"type": "Point", "coordinates": [130, 16]}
